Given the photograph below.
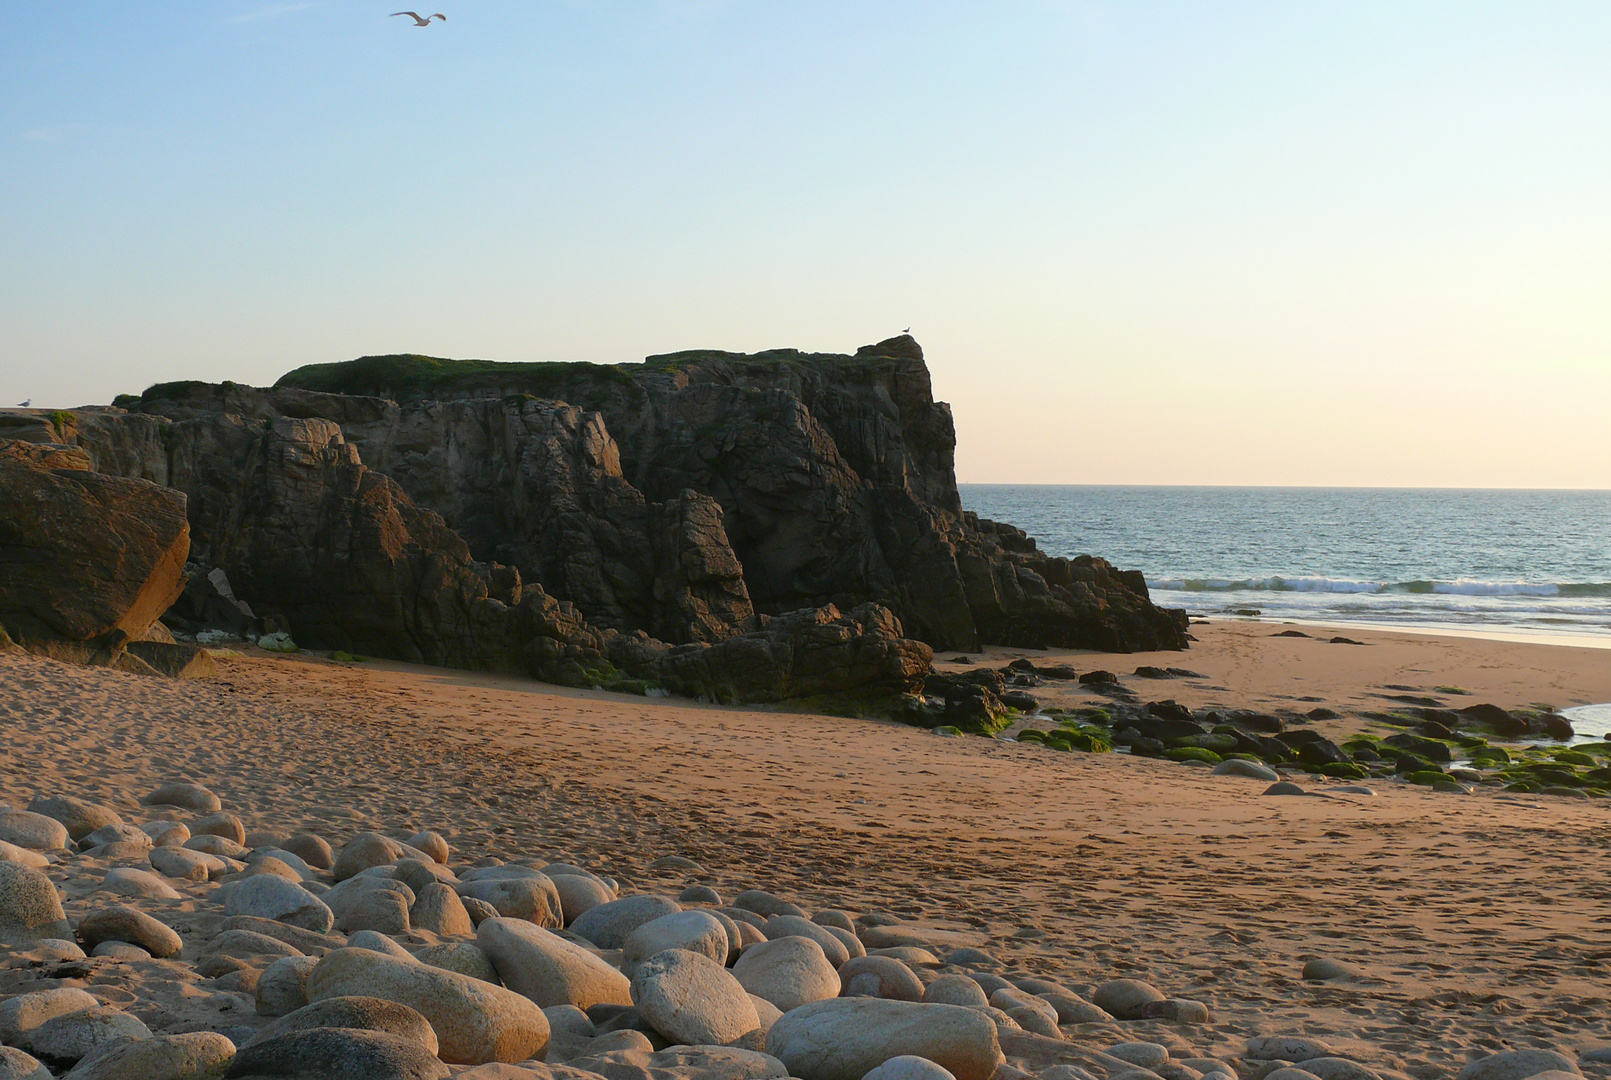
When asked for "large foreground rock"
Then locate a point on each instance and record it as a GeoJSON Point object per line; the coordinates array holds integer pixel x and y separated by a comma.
{"type": "Point", "coordinates": [199, 1055]}
{"type": "Point", "coordinates": [338, 1054]}
{"type": "Point", "coordinates": [87, 561]}
{"type": "Point", "coordinates": [691, 999]}
{"type": "Point", "coordinates": [846, 1038]}
{"type": "Point", "coordinates": [548, 969]}
{"type": "Point", "coordinates": [475, 1021]}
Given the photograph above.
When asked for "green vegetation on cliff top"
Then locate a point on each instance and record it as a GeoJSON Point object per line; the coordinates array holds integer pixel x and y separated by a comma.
{"type": "Point", "coordinates": [408, 376]}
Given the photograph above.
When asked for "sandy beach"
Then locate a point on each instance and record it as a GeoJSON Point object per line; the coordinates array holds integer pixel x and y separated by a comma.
{"type": "Point", "coordinates": [1474, 923]}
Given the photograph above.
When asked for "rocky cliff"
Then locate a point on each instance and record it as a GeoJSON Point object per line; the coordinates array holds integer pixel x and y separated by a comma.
{"type": "Point", "coordinates": [684, 497]}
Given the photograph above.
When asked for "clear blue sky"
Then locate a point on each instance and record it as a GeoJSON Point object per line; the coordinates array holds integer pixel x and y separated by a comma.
{"type": "Point", "coordinates": [1279, 242]}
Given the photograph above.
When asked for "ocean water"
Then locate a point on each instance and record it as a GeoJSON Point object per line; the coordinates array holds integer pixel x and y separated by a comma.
{"type": "Point", "coordinates": [1534, 562]}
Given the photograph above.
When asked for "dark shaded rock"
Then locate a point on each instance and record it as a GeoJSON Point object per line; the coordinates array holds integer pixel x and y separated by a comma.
{"type": "Point", "coordinates": [87, 562]}
{"type": "Point", "coordinates": [801, 654]}
{"type": "Point", "coordinates": [1257, 721]}
{"type": "Point", "coordinates": [338, 1054]}
{"type": "Point", "coordinates": [1091, 678]}
{"type": "Point", "coordinates": [1290, 633]}
{"type": "Point", "coordinates": [1018, 699]}
{"type": "Point", "coordinates": [1556, 726]}
{"type": "Point", "coordinates": [1345, 641]}
{"type": "Point", "coordinates": [1170, 710]}
{"type": "Point", "coordinates": [1148, 672]}
{"type": "Point", "coordinates": [1056, 671]}
{"type": "Point", "coordinates": [1312, 748]}
{"type": "Point", "coordinates": [1494, 719]}
{"type": "Point", "coordinates": [1322, 713]}
{"type": "Point", "coordinates": [1430, 749]}
{"type": "Point", "coordinates": [210, 603]}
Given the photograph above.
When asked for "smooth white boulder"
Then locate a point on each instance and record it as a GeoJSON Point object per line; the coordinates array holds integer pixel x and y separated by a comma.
{"type": "Point", "coordinates": [548, 969]}
{"type": "Point", "coordinates": [847, 1038]}
{"type": "Point", "coordinates": [789, 972]}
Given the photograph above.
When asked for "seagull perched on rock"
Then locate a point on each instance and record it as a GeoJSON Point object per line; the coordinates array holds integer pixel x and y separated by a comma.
{"type": "Point", "coordinates": [25, 404]}
{"type": "Point", "coordinates": [416, 17]}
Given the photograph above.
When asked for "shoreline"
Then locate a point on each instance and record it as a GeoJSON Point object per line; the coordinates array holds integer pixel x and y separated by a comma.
{"type": "Point", "coordinates": [1515, 635]}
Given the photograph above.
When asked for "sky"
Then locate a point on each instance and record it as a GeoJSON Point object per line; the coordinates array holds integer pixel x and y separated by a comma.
{"type": "Point", "coordinates": [1282, 242]}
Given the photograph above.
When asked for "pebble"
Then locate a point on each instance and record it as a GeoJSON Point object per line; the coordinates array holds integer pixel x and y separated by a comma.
{"type": "Point", "coordinates": [475, 1021]}
{"type": "Point", "coordinates": [268, 897]}
{"type": "Point", "coordinates": [198, 1055]}
{"type": "Point", "coordinates": [339, 1054]}
{"type": "Point", "coordinates": [124, 923]}
{"type": "Point", "coordinates": [1148, 1055]}
{"type": "Point", "coordinates": [222, 824]}
{"type": "Point", "coordinates": [1284, 788]}
{"type": "Point", "coordinates": [10, 852]}
{"type": "Point", "coordinates": [1293, 1049]}
{"type": "Point", "coordinates": [166, 833]}
{"type": "Point", "coordinates": [16, 1065]}
{"type": "Point", "coordinates": [548, 969]}
{"type": "Point", "coordinates": [119, 950]}
{"type": "Point", "coordinates": [700, 894]}
{"type": "Point", "coordinates": [1124, 998]}
{"type": "Point", "coordinates": [1255, 770]}
{"type": "Point", "coordinates": [1322, 970]}
{"type": "Point", "coordinates": [694, 931]}
{"type": "Point", "coordinates": [283, 986]}
{"type": "Point", "coordinates": [36, 832]}
{"type": "Point", "coordinates": [690, 998]}
{"type": "Point", "coordinates": [531, 898]}
{"type": "Point", "coordinates": [579, 895]}
{"type": "Point", "coordinates": [800, 926]}
{"type": "Point", "coordinates": [846, 1038]}
{"type": "Point", "coordinates": [440, 910]}
{"type": "Point", "coordinates": [433, 844]}
{"type": "Point", "coordinates": [608, 925]}
{"type": "Point", "coordinates": [185, 795]}
{"type": "Point", "coordinates": [311, 849]}
{"type": "Point", "coordinates": [66, 1039]}
{"type": "Point", "coordinates": [788, 972]}
{"type": "Point", "coordinates": [909, 1067]}
{"type": "Point", "coordinates": [221, 846]}
{"type": "Point", "coordinates": [363, 851]}
{"type": "Point", "coordinates": [79, 817]}
{"type": "Point", "coordinates": [129, 881]}
{"type": "Point", "coordinates": [956, 990]}
{"type": "Point", "coordinates": [24, 1012]}
{"type": "Point", "coordinates": [1517, 1065]}
{"type": "Point", "coordinates": [766, 905]}
{"type": "Point", "coordinates": [185, 865]}
{"type": "Point", "coordinates": [889, 978]}
{"type": "Point", "coordinates": [1178, 1010]}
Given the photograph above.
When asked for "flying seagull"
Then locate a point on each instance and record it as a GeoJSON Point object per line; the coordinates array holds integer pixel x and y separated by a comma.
{"type": "Point", "coordinates": [416, 17]}
{"type": "Point", "coordinates": [25, 404]}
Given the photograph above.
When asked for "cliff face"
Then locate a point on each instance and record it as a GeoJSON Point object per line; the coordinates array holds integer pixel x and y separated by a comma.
{"type": "Point", "coordinates": [685, 495]}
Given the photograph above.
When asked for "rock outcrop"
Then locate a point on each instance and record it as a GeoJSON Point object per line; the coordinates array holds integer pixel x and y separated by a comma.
{"type": "Point", "coordinates": [88, 562]}
{"type": "Point", "coordinates": [681, 496]}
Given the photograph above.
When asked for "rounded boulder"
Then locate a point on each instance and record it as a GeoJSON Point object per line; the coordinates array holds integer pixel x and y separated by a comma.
{"type": "Point", "coordinates": [788, 972]}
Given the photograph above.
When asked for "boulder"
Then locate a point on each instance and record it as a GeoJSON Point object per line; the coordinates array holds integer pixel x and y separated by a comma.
{"type": "Point", "coordinates": [363, 851]}
{"type": "Point", "coordinates": [908, 1067]}
{"type": "Point", "coordinates": [608, 925]}
{"type": "Point", "coordinates": [694, 931]}
{"type": "Point", "coordinates": [10, 852]}
{"type": "Point", "coordinates": [437, 908]}
{"type": "Point", "coordinates": [266, 896]}
{"type": "Point", "coordinates": [691, 999]}
{"type": "Point", "coordinates": [531, 898]}
{"type": "Point", "coordinates": [24, 1012]}
{"type": "Point", "coordinates": [14, 1064]}
{"type": "Point", "coordinates": [548, 969]}
{"type": "Point", "coordinates": [30, 909]}
{"type": "Point", "coordinates": [355, 1013]}
{"type": "Point", "coordinates": [579, 895]}
{"type": "Point", "coordinates": [880, 976]}
{"type": "Point", "coordinates": [846, 1038]}
{"type": "Point", "coordinates": [788, 972]}
{"type": "Point", "coordinates": [87, 561]}
{"type": "Point", "coordinates": [475, 1021]}
{"type": "Point", "coordinates": [199, 1055]}
{"type": "Point", "coordinates": [283, 986]}
{"type": "Point", "coordinates": [796, 926]}
{"type": "Point", "coordinates": [338, 1054]}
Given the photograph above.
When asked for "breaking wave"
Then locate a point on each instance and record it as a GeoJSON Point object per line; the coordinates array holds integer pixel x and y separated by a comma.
{"type": "Point", "coordinates": [1461, 587]}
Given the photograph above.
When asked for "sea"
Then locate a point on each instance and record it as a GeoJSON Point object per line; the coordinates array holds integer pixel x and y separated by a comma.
{"type": "Point", "coordinates": [1529, 563]}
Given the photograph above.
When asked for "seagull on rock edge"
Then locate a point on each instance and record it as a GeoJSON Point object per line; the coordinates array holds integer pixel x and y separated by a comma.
{"type": "Point", "coordinates": [25, 404]}
{"type": "Point", "coordinates": [416, 17]}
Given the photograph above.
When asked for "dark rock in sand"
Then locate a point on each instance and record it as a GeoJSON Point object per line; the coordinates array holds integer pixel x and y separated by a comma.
{"type": "Point", "coordinates": [1312, 748]}
{"type": "Point", "coordinates": [1494, 719]}
{"type": "Point", "coordinates": [1430, 749]}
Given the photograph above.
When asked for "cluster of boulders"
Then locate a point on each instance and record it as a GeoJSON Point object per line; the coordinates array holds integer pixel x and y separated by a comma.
{"type": "Point", "coordinates": [389, 959]}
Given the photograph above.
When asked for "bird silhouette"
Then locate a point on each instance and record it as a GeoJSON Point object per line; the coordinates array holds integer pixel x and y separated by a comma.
{"type": "Point", "coordinates": [25, 404]}
{"type": "Point", "coordinates": [416, 17]}
{"type": "Point", "coordinates": [908, 330]}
